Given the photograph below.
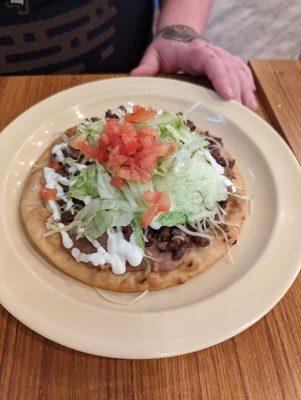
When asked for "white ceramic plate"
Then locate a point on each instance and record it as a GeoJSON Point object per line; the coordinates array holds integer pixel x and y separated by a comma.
{"type": "Point", "coordinates": [210, 308]}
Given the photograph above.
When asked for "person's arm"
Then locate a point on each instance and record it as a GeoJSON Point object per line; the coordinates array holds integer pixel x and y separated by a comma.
{"type": "Point", "coordinates": [179, 46]}
{"type": "Point", "coordinates": [192, 13]}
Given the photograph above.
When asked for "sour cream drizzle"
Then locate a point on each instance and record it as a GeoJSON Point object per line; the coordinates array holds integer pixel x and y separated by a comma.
{"type": "Point", "coordinates": [119, 252]}
{"type": "Point", "coordinates": [219, 169]}
{"type": "Point", "coordinates": [57, 151]}
{"type": "Point", "coordinates": [53, 180]}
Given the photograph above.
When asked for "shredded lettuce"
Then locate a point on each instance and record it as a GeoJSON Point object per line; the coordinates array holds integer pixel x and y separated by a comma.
{"type": "Point", "coordinates": [99, 224]}
{"type": "Point", "coordinates": [85, 184]}
{"type": "Point", "coordinates": [195, 189]}
{"type": "Point", "coordinates": [172, 218]}
{"type": "Point", "coordinates": [90, 130]}
{"type": "Point", "coordinates": [138, 232]}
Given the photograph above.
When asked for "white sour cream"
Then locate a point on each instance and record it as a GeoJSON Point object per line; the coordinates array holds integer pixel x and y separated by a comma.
{"type": "Point", "coordinates": [53, 180]}
{"type": "Point", "coordinates": [66, 239]}
{"type": "Point", "coordinates": [219, 169]}
{"type": "Point", "coordinates": [55, 210]}
{"type": "Point", "coordinates": [76, 167]}
{"type": "Point", "coordinates": [119, 252]}
{"type": "Point", "coordinates": [155, 224]}
{"type": "Point", "coordinates": [57, 151]}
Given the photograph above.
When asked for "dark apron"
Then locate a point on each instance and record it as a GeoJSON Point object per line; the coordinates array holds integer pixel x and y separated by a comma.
{"type": "Point", "coordinates": [64, 36]}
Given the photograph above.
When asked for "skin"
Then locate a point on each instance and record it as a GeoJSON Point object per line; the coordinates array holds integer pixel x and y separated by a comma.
{"type": "Point", "coordinates": [179, 46]}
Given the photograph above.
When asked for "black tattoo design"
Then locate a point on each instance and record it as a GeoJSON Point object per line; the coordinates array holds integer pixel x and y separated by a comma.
{"type": "Point", "coordinates": [180, 33]}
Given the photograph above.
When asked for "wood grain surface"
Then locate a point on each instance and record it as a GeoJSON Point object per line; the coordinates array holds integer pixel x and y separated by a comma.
{"type": "Point", "coordinates": [279, 87]}
{"type": "Point", "coordinates": [262, 363]}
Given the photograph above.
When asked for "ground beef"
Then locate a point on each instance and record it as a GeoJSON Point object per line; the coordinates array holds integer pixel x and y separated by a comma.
{"type": "Point", "coordinates": [70, 152]}
{"type": "Point", "coordinates": [63, 170]}
{"type": "Point", "coordinates": [190, 125]}
{"type": "Point", "coordinates": [171, 240]}
{"type": "Point", "coordinates": [94, 119]}
{"type": "Point", "coordinates": [200, 241]}
{"type": "Point", "coordinates": [218, 157]}
{"type": "Point", "coordinates": [110, 114]}
{"type": "Point", "coordinates": [67, 217]}
{"type": "Point", "coordinates": [127, 231]}
{"type": "Point", "coordinates": [165, 234]}
{"type": "Point", "coordinates": [179, 253]}
{"type": "Point", "coordinates": [150, 238]}
{"type": "Point", "coordinates": [83, 245]}
{"type": "Point", "coordinates": [223, 204]}
{"type": "Point", "coordinates": [123, 109]}
{"type": "Point", "coordinates": [60, 203]}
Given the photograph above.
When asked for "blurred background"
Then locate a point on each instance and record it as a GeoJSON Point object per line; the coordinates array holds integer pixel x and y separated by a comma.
{"type": "Point", "coordinates": [258, 29]}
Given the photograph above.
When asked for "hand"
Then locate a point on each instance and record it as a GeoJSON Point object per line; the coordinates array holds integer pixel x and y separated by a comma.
{"type": "Point", "coordinates": [177, 51]}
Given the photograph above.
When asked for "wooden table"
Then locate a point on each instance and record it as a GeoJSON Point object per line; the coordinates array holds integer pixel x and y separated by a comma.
{"type": "Point", "coordinates": [261, 363]}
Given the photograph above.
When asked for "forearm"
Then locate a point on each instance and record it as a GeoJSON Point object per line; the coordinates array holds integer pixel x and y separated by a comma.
{"type": "Point", "coordinates": [193, 13]}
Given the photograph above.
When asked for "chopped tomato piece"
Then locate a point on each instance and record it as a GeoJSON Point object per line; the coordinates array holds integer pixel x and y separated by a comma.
{"type": "Point", "coordinates": [146, 132]}
{"type": "Point", "coordinates": [140, 155]}
{"type": "Point", "coordinates": [130, 143]}
{"type": "Point", "coordinates": [164, 202]}
{"type": "Point", "coordinates": [112, 126]}
{"type": "Point", "coordinates": [140, 114]}
{"type": "Point", "coordinates": [152, 197]}
{"type": "Point", "coordinates": [164, 149]}
{"type": "Point", "coordinates": [129, 174]}
{"type": "Point", "coordinates": [80, 144]}
{"type": "Point", "coordinates": [148, 162]}
{"type": "Point", "coordinates": [128, 129]}
{"type": "Point", "coordinates": [104, 140]}
{"type": "Point", "coordinates": [101, 156]}
{"type": "Point", "coordinates": [117, 181]}
{"type": "Point", "coordinates": [54, 165]}
{"type": "Point", "coordinates": [48, 194]}
{"type": "Point", "coordinates": [144, 176]}
{"type": "Point", "coordinates": [147, 141]}
{"type": "Point", "coordinates": [150, 214]}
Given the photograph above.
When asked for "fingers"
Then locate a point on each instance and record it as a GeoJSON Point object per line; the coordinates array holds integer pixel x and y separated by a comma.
{"type": "Point", "coordinates": [149, 64]}
{"type": "Point", "coordinates": [240, 77]}
{"type": "Point", "coordinates": [247, 95]}
{"type": "Point", "coordinates": [216, 71]}
{"type": "Point", "coordinates": [247, 70]}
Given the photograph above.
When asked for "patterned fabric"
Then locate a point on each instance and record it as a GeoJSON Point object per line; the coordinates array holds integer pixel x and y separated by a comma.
{"type": "Point", "coordinates": [63, 36]}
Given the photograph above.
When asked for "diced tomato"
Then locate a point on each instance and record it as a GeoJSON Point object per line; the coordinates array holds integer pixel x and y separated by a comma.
{"type": "Point", "coordinates": [164, 149]}
{"type": "Point", "coordinates": [129, 174]}
{"type": "Point", "coordinates": [54, 165]}
{"type": "Point", "coordinates": [115, 161]}
{"type": "Point", "coordinates": [164, 202]}
{"type": "Point", "coordinates": [150, 214]}
{"type": "Point", "coordinates": [148, 131]}
{"type": "Point", "coordinates": [159, 202]}
{"type": "Point", "coordinates": [140, 114]}
{"type": "Point", "coordinates": [148, 162]}
{"type": "Point", "coordinates": [48, 194]}
{"type": "Point", "coordinates": [128, 129]}
{"type": "Point", "coordinates": [117, 181]}
{"type": "Point", "coordinates": [80, 144]}
{"type": "Point", "coordinates": [112, 126]}
{"type": "Point", "coordinates": [152, 197]}
{"type": "Point", "coordinates": [130, 143]}
{"type": "Point", "coordinates": [140, 155]}
{"type": "Point", "coordinates": [144, 176]}
{"type": "Point", "coordinates": [101, 156]}
{"type": "Point", "coordinates": [147, 141]}
{"type": "Point", "coordinates": [104, 140]}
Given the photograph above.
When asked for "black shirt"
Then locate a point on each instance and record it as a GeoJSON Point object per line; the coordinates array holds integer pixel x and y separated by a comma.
{"type": "Point", "coordinates": [65, 36]}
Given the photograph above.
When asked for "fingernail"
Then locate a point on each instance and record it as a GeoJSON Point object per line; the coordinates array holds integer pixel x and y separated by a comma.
{"type": "Point", "coordinates": [229, 92]}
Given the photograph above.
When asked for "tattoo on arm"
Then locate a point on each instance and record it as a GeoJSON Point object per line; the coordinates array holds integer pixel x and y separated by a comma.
{"type": "Point", "coordinates": [180, 33]}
